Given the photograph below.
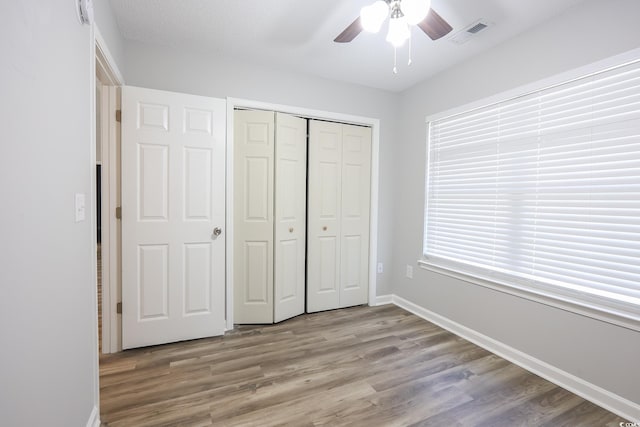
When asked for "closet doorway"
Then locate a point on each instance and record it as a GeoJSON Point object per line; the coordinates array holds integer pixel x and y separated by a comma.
{"type": "Point", "coordinates": [334, 270]}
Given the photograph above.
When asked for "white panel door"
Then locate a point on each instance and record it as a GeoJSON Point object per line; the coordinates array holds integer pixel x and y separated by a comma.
{"type": "Point", "coordinates": [354, 218]}
{"type": "Point", "coordinates": [173, 193]}
{"type": "Point", "coordinates": [338, 215]}
{"type": "Point", "coordinates": [290, 216]}
{"type": "Point", "coordinates": [323, 216]}
{"type": "Point", "coordinates": [253, 216]}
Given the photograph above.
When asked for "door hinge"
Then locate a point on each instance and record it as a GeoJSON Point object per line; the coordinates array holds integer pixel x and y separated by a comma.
{"type": "Point", "coordinates": [119, 212]}
{"type": "Point", "coordinates": [119, 308]}
{"type": "Point", "coordinates": [118, 116]}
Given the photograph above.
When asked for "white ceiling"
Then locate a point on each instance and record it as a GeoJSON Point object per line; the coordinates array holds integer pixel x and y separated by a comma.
{"type": "Point", "coordinates": [297, 35]}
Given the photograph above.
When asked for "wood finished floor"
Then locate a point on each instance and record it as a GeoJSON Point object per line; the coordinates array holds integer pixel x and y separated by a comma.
{"type": "Point", "coordinates": [362, 366]}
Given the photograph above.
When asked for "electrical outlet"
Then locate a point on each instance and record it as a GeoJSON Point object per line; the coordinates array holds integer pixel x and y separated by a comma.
{"type": "Point", "coordinates": [409, 271]}
{"type": "Point", "coordinates": [380, 268]}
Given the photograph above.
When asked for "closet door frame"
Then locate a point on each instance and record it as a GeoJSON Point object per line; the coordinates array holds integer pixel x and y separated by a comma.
{"type": "Point", "coordinates": [232, 104]}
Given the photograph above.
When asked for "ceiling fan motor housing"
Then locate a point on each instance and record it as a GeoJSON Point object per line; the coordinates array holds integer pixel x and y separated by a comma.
{"type": "Point", "coordinates": [373, 16]}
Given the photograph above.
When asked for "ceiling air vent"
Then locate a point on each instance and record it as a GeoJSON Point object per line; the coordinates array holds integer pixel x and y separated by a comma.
{"type": "Point", "coordinates": [465, 34]}
{"type": "Point", "coordinates": [478, 27]}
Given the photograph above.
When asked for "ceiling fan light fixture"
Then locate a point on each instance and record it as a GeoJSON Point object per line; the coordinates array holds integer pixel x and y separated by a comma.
{"type": "Point", "coordinates": [415, 10]}
{"type": "Point", "coordinates": [398, 31]}
{"type": "Point", "coordinates": [373, 16]}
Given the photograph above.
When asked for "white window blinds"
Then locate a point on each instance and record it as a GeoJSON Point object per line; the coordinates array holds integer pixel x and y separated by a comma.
{"type": "Point", "coordinates": [543, 191]}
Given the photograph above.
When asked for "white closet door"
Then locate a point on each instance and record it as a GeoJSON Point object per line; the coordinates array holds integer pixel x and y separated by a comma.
{"type": "Point", "coordinates": [290, 216]}
{"type": "Point", "coordinates": [338, 215]}
{"type": "Point", "coordinates": [253, 216]}
{"type": "Point", "coordinates": [173, 193]}
{"type": "Point", "coordinates": [355, 208]}
{"type": "Point", "coordinates": [323, 217]}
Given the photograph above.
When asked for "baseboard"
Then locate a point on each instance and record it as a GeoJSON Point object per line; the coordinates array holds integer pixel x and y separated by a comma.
{"type": "Point", "coordinates": [384, 299]}
{"type": "Point", "coordinates": [94, 418]}
{"type": "Point", "coordinates": [601, 397]}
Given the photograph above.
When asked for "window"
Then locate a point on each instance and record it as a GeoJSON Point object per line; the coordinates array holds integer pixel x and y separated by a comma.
{"type": "Point", "coordinates": [541, 192]}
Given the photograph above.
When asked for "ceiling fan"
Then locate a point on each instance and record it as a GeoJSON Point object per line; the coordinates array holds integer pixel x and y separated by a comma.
{"type": "Point", "coordinates": [402, 14]}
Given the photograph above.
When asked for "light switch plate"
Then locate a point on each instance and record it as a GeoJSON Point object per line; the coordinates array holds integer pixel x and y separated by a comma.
{"type": "Point", "coordinates": [380, 268]}
{"type": "Point", "coordinates": [80, 207]}
{"type": "Point", "coordinates": [409, 271]}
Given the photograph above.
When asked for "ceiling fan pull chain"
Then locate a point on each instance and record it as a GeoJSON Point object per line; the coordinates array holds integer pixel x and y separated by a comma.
{"type": "Point", "coordinates": [409, 63]}
{"type": "Point", "coordinates": [395, 60]}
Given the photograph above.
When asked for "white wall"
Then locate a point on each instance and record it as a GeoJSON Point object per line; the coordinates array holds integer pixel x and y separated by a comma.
{"type": "Point", "coordinates": [600, 353]}
{"type": "Point", "coordinates": [201, 73]}
{"type": "Point", "coordinates": [47, 307]}
{"type": "Point", "coordinates": [105, 20]}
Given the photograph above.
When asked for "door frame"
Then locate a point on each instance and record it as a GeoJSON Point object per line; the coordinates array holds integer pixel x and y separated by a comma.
{"type": "Point", "coordinates": [232, 104]}
{"type": "Point", "coordinates": [107, 74]}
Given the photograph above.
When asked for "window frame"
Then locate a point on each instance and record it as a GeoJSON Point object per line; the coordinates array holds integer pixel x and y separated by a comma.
{"type": "Point", "coordinates": [551, 297]}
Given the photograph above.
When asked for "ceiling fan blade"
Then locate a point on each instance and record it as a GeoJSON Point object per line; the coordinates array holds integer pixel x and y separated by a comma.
{"type": "Point", "coordinates": [434, 25]}
{"type": "Point", "coordinates": [350, 32]}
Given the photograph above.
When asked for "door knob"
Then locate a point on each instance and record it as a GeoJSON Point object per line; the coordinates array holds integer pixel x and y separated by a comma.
{"type": "Point", "coordinates": [217, 231]}
{"type": "Point", "coordinates": [290, 229]}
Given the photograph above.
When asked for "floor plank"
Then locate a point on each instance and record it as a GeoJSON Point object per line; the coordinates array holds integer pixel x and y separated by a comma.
{"type": "Point", "coordinates": [369, 366]}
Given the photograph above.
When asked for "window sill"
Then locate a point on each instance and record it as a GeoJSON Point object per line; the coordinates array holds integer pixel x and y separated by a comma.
{"type": "Point", "coordinates": [539, 296]}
